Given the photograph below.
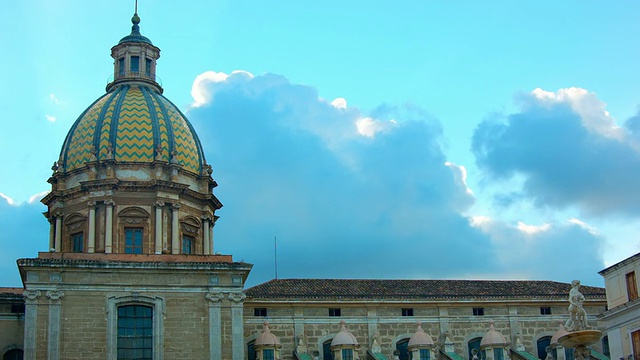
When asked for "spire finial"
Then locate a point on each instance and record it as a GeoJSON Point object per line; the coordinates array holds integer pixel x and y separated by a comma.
{"type": "Point", "coordinates": [135, 11]}
{"type": "Point", "coordinates": [135, 29]}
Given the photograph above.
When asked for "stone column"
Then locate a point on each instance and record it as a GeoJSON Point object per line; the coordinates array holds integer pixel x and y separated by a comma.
{"type": "Point", "coordinates": [30, 323]}
{"type": "Point", "coordinates": [175, 239]}
{"type": "Point", "coordinates": [206, 232]}
{"type": "Point", "coordinates": [158, 227]}
{"type": "Point", "coordinates": [91, 247]}
{"type": "Point", "coordinates": [58, 237]}
{"type": "Point", "coordinates": [215, 325]}
{"type": "Point", "coordinates": [53, 336]}
{"type": "Point", "coordinates": [108, 228]}
{"type": "Point", "coordinates": [52, 235]}
{"type": "Point", "coordinates": [237, 329]}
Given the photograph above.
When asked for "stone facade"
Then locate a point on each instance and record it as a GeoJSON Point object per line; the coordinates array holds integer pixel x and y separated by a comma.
{"type": "Point", "coordinates": [622, 319]}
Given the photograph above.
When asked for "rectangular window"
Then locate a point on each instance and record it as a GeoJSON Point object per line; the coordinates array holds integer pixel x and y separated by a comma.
{"type": "Point", "coordinates": [545, 310]}
{"type": "Point", "coordinates": [268, 354]}
{"type": "Point", "coordinates": [17, 308]}
{"type": "Point", "coordinates": [632, 287]}
{"type": "Point", "coordinates": [478, 311]}
{"type": "Point", "coordinates": [135, 332]}
{"type": "Point", "coordinates": [147, 67]}
{"type": "Point", "coordinates": [121, 66]}
{"type": "Point", "coordinates": [407, 311]}
{"type": "Point", "coordinates": [498, 354]}
{"type": "Point", "coordinates": [133, 241]}
{"type": "Point", "coordinates": [135, 65]}
{"type": "Point", "coordinates": [425, 354]}
{"type": "Point", "coordinates": [77, 242]}
{"type": "Point", "coordinates": [334, 312]}
{"type": "Point", "coordinates": [187, 245]}
{"type": "Point", "coordinates": [261, 312]}
{"type": "Point", "coordinates": [347, 354]}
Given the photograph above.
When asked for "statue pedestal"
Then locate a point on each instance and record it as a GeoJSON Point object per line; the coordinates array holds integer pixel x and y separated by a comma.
{"type": "Point", "coordinates": [579, 340]}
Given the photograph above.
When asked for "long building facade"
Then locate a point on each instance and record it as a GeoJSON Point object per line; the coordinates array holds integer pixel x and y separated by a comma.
{"type": "Point", "coordinates": [131, 271]}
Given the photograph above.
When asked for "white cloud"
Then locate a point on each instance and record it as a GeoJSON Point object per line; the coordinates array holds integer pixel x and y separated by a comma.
{"type": "Point", "coordinates": [532, 229]}
{"type": "Point", "coordinates": [480, 221]}
{"type": "Point", "coordinates": [53, 99]}
{"type": "Point", "coordinates": [9, 200]}
{"type": "Point", "coordinates": [201, 91]}
{"type": "Point", "coordinates": [592, 110]}
{"type": "Point", "coordinates": [584, 225]}
{"type": "Point", "coordinates": [36, 197]}
{"type": "Point", "coordinates": [50, 118]}
{"type": "Point", "coordinates": [369, 127]}
{"type": "Point", "coordinates": [460, 173]}
{"type": "Point", "coordinates": [339, 103]}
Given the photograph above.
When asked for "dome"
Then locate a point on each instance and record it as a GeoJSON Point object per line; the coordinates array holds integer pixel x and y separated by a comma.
{"type": "Point", "coordinates": [132, 123]}
{"type": "Point", "coordinates": [266, 338]}
{"type": "Point", "coordinates": [558, 334]}
{"type": "Point", "coordinates": [492, 338]}
{"type": "Point", "coordinates": [420, 338]}
{"type": "Point", "coordinates": [344, 337]}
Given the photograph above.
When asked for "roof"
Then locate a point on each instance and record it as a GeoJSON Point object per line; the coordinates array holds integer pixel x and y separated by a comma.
{"type": "Point", "coordinates": [619, 264]}
{"type": "Point", "coordinates": [10, 293]}
{"type": "Point", "coordinates": [134, 124]}
{"type": "Point", "coordinates": [525, 355]}
{"type": "Point", "coordinates": [328, 289]}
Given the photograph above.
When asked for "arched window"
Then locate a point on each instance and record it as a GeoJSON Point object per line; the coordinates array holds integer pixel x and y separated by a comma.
{"type": "Point", "coordinates": [251, 352]}
{"type": "Point", "coordinates": [403, 348]}
{"type": "Point", "coordinates": [135, 332]}
{"type": "Point", "coordinates": [474, 344]}
{"type": "Point", "coordinates": [14, 354]}
{"type": "Point", "coordinates": [543, 343]}
{"type": "Point", "coordinates": [135, 327]}
{"type": "Point", "coordinates": [326, 350]}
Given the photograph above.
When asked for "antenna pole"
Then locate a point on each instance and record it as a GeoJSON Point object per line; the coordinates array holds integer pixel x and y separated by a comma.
{"type": "Point", "coordinates": [275, 255]}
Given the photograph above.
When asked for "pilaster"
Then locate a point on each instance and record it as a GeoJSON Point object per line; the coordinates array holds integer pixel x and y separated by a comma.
{"type": "Point", "coordinates": [215, 325]}
{"type": "Point", "coordinates": [53, 333]}
{"type": "Point", "coordinates": [237, 328]}
{"type": "Point", "coordinates": [30, 323]}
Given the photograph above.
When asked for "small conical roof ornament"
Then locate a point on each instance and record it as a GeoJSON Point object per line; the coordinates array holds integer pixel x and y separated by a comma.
{"type": "Point", "coordinates": [135, 35]}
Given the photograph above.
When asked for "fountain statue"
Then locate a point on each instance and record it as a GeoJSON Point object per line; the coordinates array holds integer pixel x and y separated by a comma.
{"type": "Point", "coordinates": [580, 335]}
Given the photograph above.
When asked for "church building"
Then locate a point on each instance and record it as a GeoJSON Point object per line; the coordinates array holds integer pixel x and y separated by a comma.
{"type": "Point", "coordinates": [131, 271]}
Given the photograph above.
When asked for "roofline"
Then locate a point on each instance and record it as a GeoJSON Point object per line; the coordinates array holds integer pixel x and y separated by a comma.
{"type": "Point", "coordinates": [619, 264]}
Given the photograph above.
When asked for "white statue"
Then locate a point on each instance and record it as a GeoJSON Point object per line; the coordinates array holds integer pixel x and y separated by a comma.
{"type": "Point", "coordinates": [577, 315]}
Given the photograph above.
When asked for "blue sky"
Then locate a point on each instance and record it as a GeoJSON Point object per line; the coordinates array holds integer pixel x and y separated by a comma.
{"type": "Point", "coordinates": [405, 139]}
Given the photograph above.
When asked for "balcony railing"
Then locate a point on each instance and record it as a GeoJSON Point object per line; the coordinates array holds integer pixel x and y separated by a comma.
{"type": "Point", "coordinates": [134, 75]}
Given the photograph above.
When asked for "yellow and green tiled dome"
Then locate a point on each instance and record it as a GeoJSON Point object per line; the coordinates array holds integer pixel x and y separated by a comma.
{"type": "Point", "coordinates": [132, 123]}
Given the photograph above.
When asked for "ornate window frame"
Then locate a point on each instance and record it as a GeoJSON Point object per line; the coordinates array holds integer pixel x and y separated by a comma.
{"type": "Point", "coordinates": [134, 217]}
{"type": "Point", "coordinates": [155, 302]}
{"type": "Point", "coordinates": [75, 223]}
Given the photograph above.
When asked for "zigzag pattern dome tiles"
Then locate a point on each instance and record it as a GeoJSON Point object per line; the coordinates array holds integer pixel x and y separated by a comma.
{"type": "Point", "coordinates": [133, 122]}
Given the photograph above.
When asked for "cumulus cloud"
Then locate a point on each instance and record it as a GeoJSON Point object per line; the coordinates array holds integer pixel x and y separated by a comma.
{"type": "Point", "coordinates": [568, 151]}
{"type": "Point", "coordinates": [6, 198]}
{"type": "Point", "coordinates": [562, 251]}
{"type": "Point", "coordinates": [200, 91]}
{"type": "Point", "coordinates": [50, 118]}
{"type": "Point", "coordinates": [342, 203]}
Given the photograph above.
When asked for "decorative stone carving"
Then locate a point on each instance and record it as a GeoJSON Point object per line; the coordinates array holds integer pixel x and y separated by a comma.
{"type": "Point", "coordinates": [214, 297]}
{"type": "Point", "coordinates": [159, 203]}
{"type": "Point", "coordinates": [91, 204]}
{"type": "Point", "coordinates": [93, 154]}
{"type": "Point", "coordinates": [54, 295]}
{"type": "Point", "coordinates": [237, 297]}
{"type": "Point", "coordinates": [109, 202]}
{"type": "Point", "coordinates": [31, 295]}
{"type": "Point", "coordinates": [577, 315]}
